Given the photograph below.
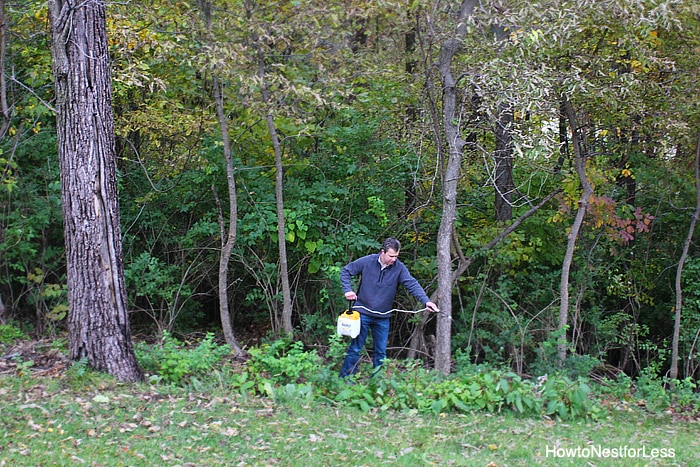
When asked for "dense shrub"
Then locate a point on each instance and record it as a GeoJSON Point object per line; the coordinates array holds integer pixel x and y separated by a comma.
{"type": "Point", "coordinates": [285, 370]}
{"type": "Point", "coordinates": [174, 363]}
{"type": "Point", "coordinates": [283, 361]}
{"type": "Point", "coordinates": [10, 334]}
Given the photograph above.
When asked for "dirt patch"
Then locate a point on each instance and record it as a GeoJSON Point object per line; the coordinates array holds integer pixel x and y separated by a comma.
{"type": "Point", "coordinates": [36, 357]}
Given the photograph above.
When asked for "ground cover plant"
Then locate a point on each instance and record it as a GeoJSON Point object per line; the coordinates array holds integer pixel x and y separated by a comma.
{"type": "Point", "coordinates": [219, 412]}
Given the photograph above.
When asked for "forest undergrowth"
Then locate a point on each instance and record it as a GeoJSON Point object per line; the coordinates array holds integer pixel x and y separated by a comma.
{"type": "Point", "coordinates": [202, 406]}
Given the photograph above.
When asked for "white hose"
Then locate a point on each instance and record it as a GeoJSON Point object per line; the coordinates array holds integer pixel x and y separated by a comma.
{"type": "Point", "coordinates": [390, 311]}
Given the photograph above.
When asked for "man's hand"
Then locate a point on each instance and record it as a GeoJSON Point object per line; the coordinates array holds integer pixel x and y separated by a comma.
{"type": "Point", "coordinates": [350, 296]}
{"type": "Point", "coordinates": [430, 305]}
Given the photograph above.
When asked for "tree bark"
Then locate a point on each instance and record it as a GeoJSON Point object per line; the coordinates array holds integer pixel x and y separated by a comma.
{"type": "Point", "coordinates": [673, 372]}
{"type": "Point", "coordinates": [279, 189]}
{"type": "Point", "coordinates": [228, 236]}
{"type": "Point", "coordinates": [4, 108]}
{"type": "Point", "coordinates": [279, 197]}
{"type": "Point", "coordinates": [450, 179]}
{"type": "Point", "coordinates": [578, 139]}
{"type": "Point", "coordinates": [281, 237]}
{"type": "Point", "coordinates": [98, 321]}
{"type": "Point", "coordinates": [463, 262]}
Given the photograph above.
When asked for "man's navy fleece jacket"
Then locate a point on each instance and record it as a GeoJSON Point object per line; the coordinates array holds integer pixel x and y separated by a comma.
{"type": "Point", "coordinates": [378, 286]}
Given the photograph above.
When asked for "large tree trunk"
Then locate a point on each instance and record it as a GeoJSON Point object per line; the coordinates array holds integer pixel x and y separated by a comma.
{"type": "Point", "coordinates": [98, 322]}
{"type": "Point", "coordinates": [578, 140]}
{"type": "Point", "coordinates": [673, 372]}
{"type": "Point", "coordinates": [450, 179]}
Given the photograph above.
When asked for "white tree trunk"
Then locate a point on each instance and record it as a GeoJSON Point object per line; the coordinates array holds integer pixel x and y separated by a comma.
{"type": "Point", "coordinates": [673, 372]}
{"type": "Point", "coordinates": [578, 142]}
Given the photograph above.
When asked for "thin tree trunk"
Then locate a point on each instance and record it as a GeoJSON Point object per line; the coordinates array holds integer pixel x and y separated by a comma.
{"type": "Point", "coordinates": [281, 237]}
{"type": "Point", "coordinates": [673, 372]}
{"type": "Point", "coordinates": [578, 141]}
{"type": "Point", "coordinates": [98, 322]}
{"type": "Point", "coordinates": [228, 236]}
{"type": "Point", "coordinates": [279, 192]}
{"type": "Point", "coordinates": [228, 239]}
{"type": "Point", "coordinates": [4, 109]}
{"type": "Point", "coordinates": [450, 180]}
{"type": "Point", "coordinates": [463, 262]}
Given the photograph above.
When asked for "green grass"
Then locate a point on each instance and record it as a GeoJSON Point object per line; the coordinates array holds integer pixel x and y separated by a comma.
{"type": "Point", "coordinates": [94, 421]}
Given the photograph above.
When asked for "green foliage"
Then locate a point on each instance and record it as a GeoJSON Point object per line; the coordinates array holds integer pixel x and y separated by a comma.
{"type": "Point", "coordinates": [23, 367]}
{"type": "Point", "coordinates": [567, 399]}
{"type": "Point", "coordinates": [656, 394]}
{"type": "Point", "coordinates": [284, 361]}
{"type": "Point", "coordinates": [573, 366]}
{"type": "Point", "coordinates": [315, 326]}
{"type": "Point", "coordinates": [289, 392]}
{"type": "Point", "coordinates": [661, 394]}
{"type": "Point", "coordinates": [394, 387]}
{"type": "Point", "coordinates": [241, 383]}
{"type": "Point", "coordinates": [9, 334]}
{"type": "Point", "coordinates": [174, 363]}
{"type": "Point", "coordinates": [685, 395]}
{"type": "Point", "coordinates": [31, 238]}
{"type": "Point", "coordinates": [489, 390]}
{"type": "Point", "coordinates": [7, 176]}
{"type": "Point", "coordinates": [52, 299]}
{"type": "Point", "coordinates": [80, 376]}
{"type": "Point", "coordinates": [619, 388]}
{"type": "Point", "coordinates": [157, 288]}
{"type": "Point", "coordinates": [358, 166]}
{"type": "Point", "coordinates": [377, 208]}
{"type": "Point", "coordinates": [337, 345]}
{"type": "Point", "coordinates": [283, 370]}
{"type": "Point", "coordinates": [652, 391]}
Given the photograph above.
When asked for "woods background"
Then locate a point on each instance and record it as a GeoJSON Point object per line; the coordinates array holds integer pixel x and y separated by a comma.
{"type": "Point", "coordinates": [538, 161]}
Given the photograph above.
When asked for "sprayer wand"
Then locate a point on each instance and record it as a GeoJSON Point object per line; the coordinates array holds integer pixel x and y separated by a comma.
{"type": "Point", "coordinates": [390, 311]}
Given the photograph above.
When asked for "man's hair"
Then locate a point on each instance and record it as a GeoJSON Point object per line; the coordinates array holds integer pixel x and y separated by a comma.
{"type": "Point", "coordinates": [391, 244]}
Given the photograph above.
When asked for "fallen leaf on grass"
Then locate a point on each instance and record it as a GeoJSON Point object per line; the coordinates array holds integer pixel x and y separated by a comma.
{"type": "Point", "coordinates": [33, 425]}
{"type": "Point", "coordinates": [33, 406]}
{"type": "Point", "coordinates": [128, 427]}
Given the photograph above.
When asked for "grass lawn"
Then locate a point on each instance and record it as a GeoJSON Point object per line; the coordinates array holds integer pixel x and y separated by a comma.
{"type": "Point", "coordinates": [53, 422]}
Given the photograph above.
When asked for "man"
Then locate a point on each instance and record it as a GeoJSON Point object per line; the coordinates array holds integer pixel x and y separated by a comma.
{"type": "Point", "coordinates": [381, 273]}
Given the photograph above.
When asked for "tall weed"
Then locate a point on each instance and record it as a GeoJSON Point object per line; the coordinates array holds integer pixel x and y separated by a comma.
{"type": "Point", "coordinates": [174, 363]}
